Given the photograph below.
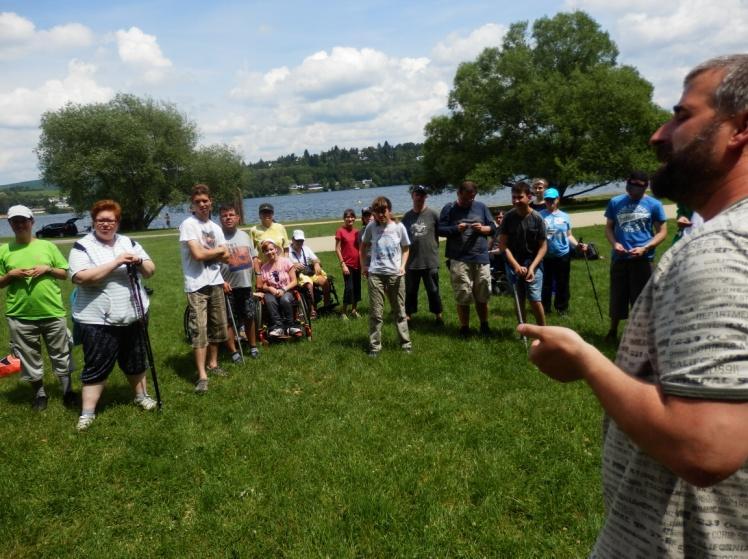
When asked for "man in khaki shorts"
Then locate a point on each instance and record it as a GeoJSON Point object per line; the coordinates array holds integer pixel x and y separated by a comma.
{"type": "Point", "coordinates": [467, 225]}
{"type": "Point", "coordinates": [203, 248]}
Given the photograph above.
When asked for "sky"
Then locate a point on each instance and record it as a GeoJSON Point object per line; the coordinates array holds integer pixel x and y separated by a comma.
{"type": "Point", "coordinates": [274, 78]}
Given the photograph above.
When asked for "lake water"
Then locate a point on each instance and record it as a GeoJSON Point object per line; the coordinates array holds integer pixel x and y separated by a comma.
{"type": "Point", "coordinates": [298, 208]}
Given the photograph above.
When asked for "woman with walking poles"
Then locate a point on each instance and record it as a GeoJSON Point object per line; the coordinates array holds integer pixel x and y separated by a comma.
{"type": "Point", "coordinates": [104, 308]}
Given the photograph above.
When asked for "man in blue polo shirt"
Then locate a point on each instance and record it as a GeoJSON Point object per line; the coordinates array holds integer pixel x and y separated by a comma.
{"type": "Point", "coordinates": [635, 226]}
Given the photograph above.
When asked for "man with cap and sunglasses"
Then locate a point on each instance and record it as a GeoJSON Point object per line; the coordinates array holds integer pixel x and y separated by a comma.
{"type": "Point", "coordinates": [308, 269]}
{"type": "Point", "coordinates": [635, 226]}
{"type": "Point", "coordinates": [268, 228]}
{"type": "Point", "coordinates": [30, 270]}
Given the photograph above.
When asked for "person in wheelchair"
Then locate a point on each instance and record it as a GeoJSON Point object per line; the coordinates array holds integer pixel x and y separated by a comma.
{"type": "Point", "coordinates": [308, 271]}
{"type": "Point", "coordinates": [276, 281]}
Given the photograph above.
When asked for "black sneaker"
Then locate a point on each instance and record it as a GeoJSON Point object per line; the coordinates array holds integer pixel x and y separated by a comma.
{"type": "Point", "coordinates": [464, 332]}
{"type": "Point", "coordinates": [39, 403]}
{"type": "Point", "coordinates": [71, 400]}
{"type": "Point", "coordinates": [485, 330]}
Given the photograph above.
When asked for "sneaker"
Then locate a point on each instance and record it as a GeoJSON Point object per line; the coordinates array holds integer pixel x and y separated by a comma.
{"type": "Point", "coordinates": [294, 331]}
{"type": "Point", "coordinates": [276, 332]}
{"type": "Point", "coordinates": [373, 354]}
{"type": "Point", "coordinates": [202, 386]}
{"type": "Point", "coordinates": [254, 353]}
{"type": "Point", "coordinates": [236, 357]}
{"type": "Point", "coordinates": [84, 422]}
{"type": "Point", "coordinates": [39, 403]}
{"type": "Point", "coordinates": [464, 332]}
{"type": "Point", "coordinates": [354, 314]}
{"type": "Point", "coordinates": [70, 399]}
{"type": "Point", "coordinates": [485, 330]}
{"type": "Point", "coordinates": [216, 372]}
{"type": "Point", "coordinates": [146, 402]}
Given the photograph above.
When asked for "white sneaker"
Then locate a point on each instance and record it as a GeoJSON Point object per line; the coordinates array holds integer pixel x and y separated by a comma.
{"type": "Point", "coordinates": [84, 422]}
{"type": "Point", "coordinates": [276, 332]}
{"type": "Point", "coordinates": [146, 402]}
{"type": "Point", "coordinates": [294, 331]}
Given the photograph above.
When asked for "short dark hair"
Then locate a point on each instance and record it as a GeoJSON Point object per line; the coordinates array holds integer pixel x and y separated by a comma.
{"type": "Point", "coordinates": [200, 189]}
{"type": "Point", "coordinates": [521, 187]}
{"type": "Point", "coordinates": [349, 211]}
{"type": "Point", "coordinates": [228, 206]}
{"type": "Point", "coordinates": [638, 176]}
{"type": "Point", "coordinates": [467, 185]}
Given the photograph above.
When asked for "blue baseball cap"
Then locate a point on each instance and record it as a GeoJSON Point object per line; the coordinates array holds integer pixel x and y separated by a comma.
{"type": "Point", "coordinates": [551, 193]}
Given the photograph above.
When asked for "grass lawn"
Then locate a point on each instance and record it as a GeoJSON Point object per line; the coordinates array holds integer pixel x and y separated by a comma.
{"type": "Point", "coordinates": [459, 449]}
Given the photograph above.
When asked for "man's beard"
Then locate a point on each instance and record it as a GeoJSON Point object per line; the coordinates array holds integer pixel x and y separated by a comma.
{"type": "Point", "coordinates": [685, 175]}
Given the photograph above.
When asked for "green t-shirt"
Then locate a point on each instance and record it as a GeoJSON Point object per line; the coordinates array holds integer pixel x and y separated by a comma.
{"type": "Point", "coordinates": [33, 298]}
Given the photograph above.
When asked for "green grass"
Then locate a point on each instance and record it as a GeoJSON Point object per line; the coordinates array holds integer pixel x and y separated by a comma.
{"type": "Point", "coordinates": [460, 449]}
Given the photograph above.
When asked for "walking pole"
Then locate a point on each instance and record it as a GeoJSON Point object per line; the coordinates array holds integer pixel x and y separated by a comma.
{"type": "Point", "coordinates": [589, 274]}
{"type": "Point", "coordinates": [132, 274]}
{"type": "Point", "coordinates": [230, 312]}
{"type": "Point", "coordinates": [517, 306]}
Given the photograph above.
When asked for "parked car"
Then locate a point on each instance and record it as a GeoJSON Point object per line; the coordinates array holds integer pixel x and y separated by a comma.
{"type": "Point", "coordinates": [67, 229]}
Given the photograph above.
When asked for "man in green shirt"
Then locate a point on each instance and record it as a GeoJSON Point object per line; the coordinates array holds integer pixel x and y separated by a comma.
{"type": "Point", "coordinates": [33, 306]}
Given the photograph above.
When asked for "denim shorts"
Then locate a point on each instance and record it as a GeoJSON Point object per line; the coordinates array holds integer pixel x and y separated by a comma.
{"type": "Point", "coordinates": [531, 290]}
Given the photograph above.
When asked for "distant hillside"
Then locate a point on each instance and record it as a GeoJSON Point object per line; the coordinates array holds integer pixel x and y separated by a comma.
{"type": "Point", "coordinates": [37, 184]}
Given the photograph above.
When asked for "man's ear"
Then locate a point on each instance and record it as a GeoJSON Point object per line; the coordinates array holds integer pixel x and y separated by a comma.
{"type": "Point", "coordinates": [739, 138]}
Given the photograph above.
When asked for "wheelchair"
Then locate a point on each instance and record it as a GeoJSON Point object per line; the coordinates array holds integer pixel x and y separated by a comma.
{"type": "Point", "coordinates": [302, 313]}
{"type": "Point", "coordinates": [322, 310]}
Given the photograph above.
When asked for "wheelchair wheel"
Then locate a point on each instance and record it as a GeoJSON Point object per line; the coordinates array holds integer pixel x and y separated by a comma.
{"type": "Point", "coordinates": [305, 313]}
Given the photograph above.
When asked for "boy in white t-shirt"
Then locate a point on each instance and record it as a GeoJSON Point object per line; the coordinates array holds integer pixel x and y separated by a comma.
{"type": "Point", "coordinates": [203, 248]}
{"type": "Point", "coordinates": [387, 244]}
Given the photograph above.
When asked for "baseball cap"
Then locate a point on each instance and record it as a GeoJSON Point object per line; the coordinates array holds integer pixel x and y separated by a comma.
{"type": "Point", "coordinates": [265, 207]}
{"type": "Point", "coordinates": [298, 235]}
{"type": "Point", "coordinates": [366, 210]}
{"type": "Point", "coordinates": [551, 193]}
{"type": "Point", "coordinates": [20, 211]}
{"type": "Point", "coordinates": [419, 189]}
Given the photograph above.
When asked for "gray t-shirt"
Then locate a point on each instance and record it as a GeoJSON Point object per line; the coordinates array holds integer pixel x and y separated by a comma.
{"type": "Point", "coordinates": [238, 271]}
{"type": "Point", "coordinates": [386, 242]}
{"type": "Point", "coordinates": [423, 230]}
{"type": "Point", "coordinates": [687, 334]}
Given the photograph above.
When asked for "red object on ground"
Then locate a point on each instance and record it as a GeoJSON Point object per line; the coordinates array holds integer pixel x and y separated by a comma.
{"type": "Point", "coordinates": [9, 365]}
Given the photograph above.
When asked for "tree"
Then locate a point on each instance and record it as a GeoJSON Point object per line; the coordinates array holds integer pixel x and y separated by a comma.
{"type": "Point", "coordinates": [554, 104]}
{"type": "Point", "coordinates": [133, 150]}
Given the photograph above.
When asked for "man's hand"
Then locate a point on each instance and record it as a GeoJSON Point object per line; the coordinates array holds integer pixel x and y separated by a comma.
{"type": "Point", "coordinates": [638, 252]}
{"type": "Point", "coordinates": [521, 271]}
{"type": "Point", "coordinates": [558, 352]}
{"type": "Point", "coordinates": [462, 226]}
{"type": "Point", "coordinates": [226, 287]}
{"type": "Point", "coordinates": [618, 248]}
{"type": "Point", "coordinates": [39, 270]}
{"type": "Point", "coordinates": [530, 275]}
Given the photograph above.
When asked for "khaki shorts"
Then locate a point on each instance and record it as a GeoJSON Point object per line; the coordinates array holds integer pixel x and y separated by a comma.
{"type": "Point", "coordinates": [471, 282]}
{"type": "Point", "coordinates": [208, 317]}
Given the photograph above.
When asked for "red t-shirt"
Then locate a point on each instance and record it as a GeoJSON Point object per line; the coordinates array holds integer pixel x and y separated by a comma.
{"type": "Point", "coordinates": [349, 246]}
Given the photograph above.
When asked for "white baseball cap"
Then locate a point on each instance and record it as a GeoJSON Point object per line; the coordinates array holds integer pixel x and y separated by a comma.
{"type": "Point", "coordinates": [20, 211]}
{"type": "Point", "coordinates": [298, 235]}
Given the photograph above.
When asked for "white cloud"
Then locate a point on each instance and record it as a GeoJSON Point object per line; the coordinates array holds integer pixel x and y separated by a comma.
{"type": "Point", "coordinates": [141, 51]}
{"type": "Point", "coordinates": [21, 109]}
{"type": "Point", "coordinates": [456, 48]}
{"type": "Point", "coordinates": [19, 36]}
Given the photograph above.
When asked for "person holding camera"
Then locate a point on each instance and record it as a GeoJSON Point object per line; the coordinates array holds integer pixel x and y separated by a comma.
{"type": "Point", "coordinates": [467, 225]}
{"type": "Point", "coordinates": [308, 270]}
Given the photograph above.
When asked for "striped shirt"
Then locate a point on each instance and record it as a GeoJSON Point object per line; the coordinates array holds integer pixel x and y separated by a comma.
{"type": "Point", "coordinates": [109, 301]}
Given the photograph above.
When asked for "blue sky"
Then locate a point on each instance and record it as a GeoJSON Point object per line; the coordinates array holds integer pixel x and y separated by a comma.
{"type": "Point", "coordinates": [271, 78]}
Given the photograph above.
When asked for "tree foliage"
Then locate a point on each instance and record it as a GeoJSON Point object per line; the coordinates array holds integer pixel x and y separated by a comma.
{"type": "Point", "coordinates": [336, 168]}
{"type": "Point", "coordinates": [551, 103]}
{"type": "Point", "coordinates": [136, 151]}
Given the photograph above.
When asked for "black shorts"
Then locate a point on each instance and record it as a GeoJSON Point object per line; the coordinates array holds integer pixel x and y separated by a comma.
{"type": "Point", "coordinates": [104, 345]}
{"type": "Point", "coordinates": [243, 304]}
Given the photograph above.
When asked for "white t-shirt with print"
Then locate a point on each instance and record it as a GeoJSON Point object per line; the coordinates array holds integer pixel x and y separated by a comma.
{"type": "Point", "coordinates": [199, 273]}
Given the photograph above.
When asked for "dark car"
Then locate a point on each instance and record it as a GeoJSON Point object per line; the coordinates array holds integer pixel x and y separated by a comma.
{"type": "Point", "coordinates": [67, 229]}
